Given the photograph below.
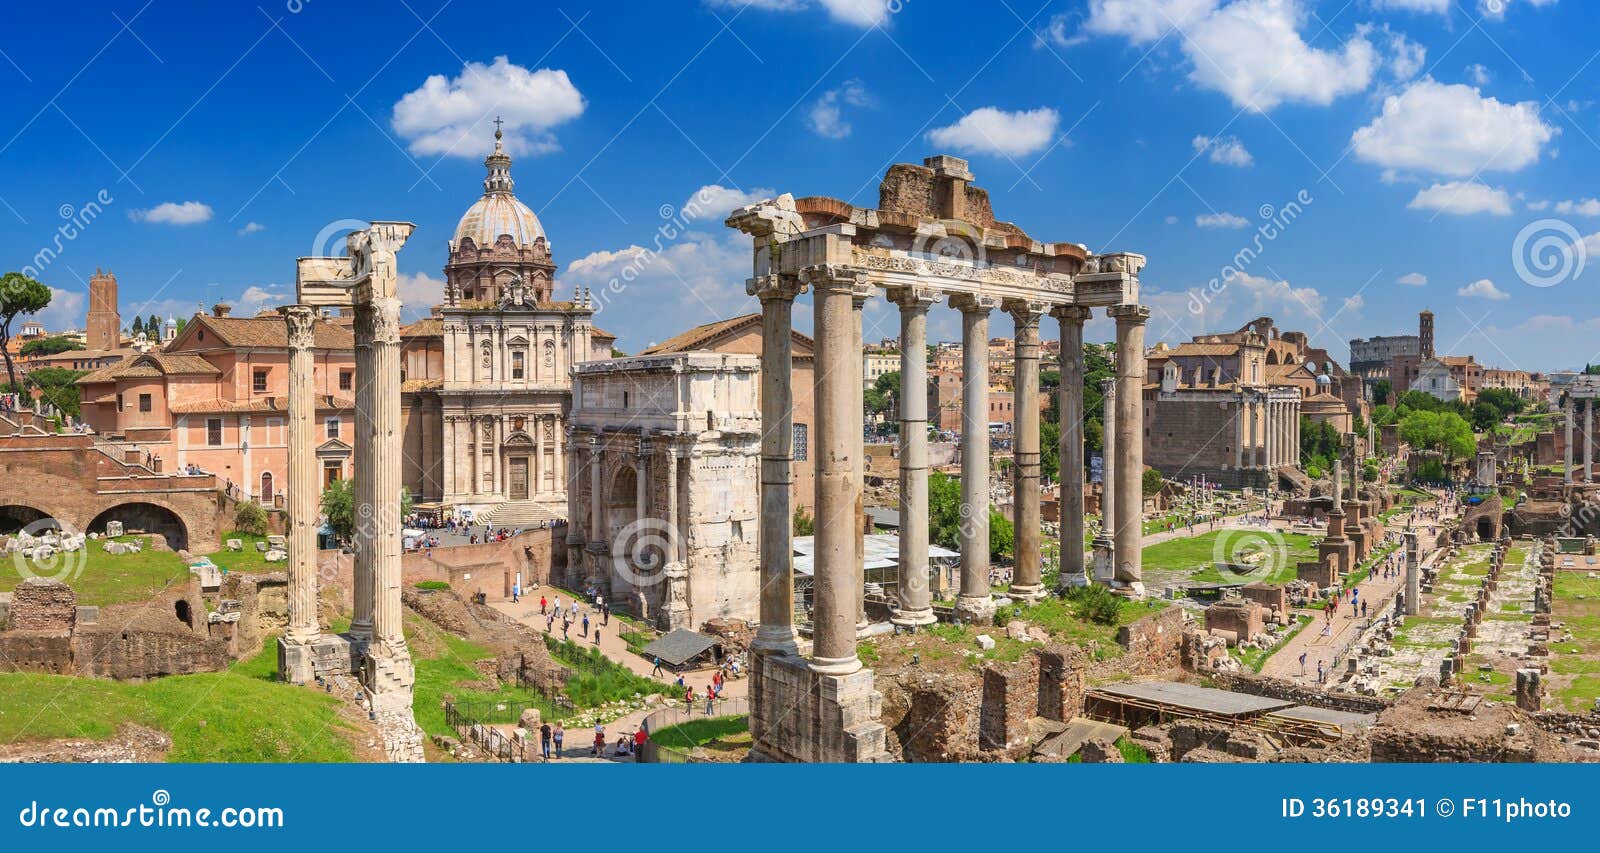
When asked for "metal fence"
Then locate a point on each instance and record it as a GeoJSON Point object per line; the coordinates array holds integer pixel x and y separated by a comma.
{"type": "Point", "coordinates": [476, 721]}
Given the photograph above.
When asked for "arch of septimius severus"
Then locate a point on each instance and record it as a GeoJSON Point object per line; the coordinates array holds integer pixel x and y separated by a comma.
{"type": "Point", "coordinates": [933, 237]}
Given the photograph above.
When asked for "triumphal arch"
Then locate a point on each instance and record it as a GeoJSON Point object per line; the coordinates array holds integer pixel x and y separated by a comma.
{"type": "Point", "coordinates": [933, 238]}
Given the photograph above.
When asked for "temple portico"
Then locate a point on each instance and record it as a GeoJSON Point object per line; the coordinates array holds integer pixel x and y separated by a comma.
{"type": "Point", "coordinates": [934, 237]}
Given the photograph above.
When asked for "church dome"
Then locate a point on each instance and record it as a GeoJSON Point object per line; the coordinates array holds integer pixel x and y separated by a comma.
{"type": "Point", "coordinates": [497, 214]}
{"type": "Point", "coordinates": [499, 211]}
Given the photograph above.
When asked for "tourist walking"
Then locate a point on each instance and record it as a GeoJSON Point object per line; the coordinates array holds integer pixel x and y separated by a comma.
{"type": "Point", "coordinates": [599, 750]}
{"type": "Point", "coordinates": [584, 632]}
{"type": "Point", "coordinates": [639, 737]}
{"type": "Point", "coordinates": [558, 735]}
{"type": "Point", "coordinates": [544, 740]}
{"type": "Point", "coordinates": [543, 605]}
{"type": "Point", "coordinates": [657, 668]}
{"type": "Point", "coordinates": [1302, 663]}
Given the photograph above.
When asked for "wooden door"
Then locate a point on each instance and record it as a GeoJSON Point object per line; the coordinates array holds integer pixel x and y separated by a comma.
{"type": "Point", "coordinates": [517, 487]}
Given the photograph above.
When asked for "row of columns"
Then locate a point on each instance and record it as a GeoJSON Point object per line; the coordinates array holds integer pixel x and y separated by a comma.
{"type": "Point", "coordinates": [840, 293]}
{"type": "Point", "coordinates": [1588, 440]}
{"type": "Point", "coordinates": [1266, 432]}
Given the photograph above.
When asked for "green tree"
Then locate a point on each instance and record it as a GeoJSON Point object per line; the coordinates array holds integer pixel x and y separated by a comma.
{"type": "Point", "coordinates": [1445, 432]}
{"type": "Point", "coordinates": [58, 387]}
{"type": "Point", "coordinates": [152, 328]}
{"type": "Point", "coordinates": [885, 390]}
{"type": "Point", "coordinates": [1150, 482]}
{"type": "Point", "coordinates": [49, 345]}
{"type": "Point", "coordinates": [339, 502]}
{"type": "Point", "coordinates": [249, 517]}
{"type": "Point", "coordinates": [18, 295]}
{"type": "Point", "coordinates": [804, 524]}
{"type": "Point", "coordinates": [944, 517]}
{"type": "Point", "coordinates": [137, 327]}
{"type": "Point", "coordinates": [1381, 391]}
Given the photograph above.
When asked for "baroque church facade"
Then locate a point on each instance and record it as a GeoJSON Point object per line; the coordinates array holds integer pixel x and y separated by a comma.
{"type": "Point", "coordinates": [487, 378]}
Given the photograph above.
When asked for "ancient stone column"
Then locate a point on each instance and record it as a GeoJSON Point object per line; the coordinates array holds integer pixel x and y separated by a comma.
{"type": "Point", "coordinates": [1105, 567]}
{"type": "Point", "coordinates": [839, 405]}
{"type": "Point", "coordinates": [1026, 577]}
{"type": "Point", "coordinates": [598, 548]}
{"type": "Point", "coordinates": [1073, 570]}
{"type": "Point", "coordinates": [916, 601]}
{"type": "Point", "coordinates": [776, 294]}
{"type": "Point", "coordinates": [295, 661]}
{"type": "Point", "coordinates": [1130, 445]}
{"type": "Point", "coordinates": [1413, 596]}
{"type": "Point", "coordinates": [676, 573]}
{"type": "Point", "coordinates": [361, 486]}
{"type": "Point", "coordinates": [1238, 433]}
{"type": "Point", "coordinates": [1269, 434]}
{"type": "Point", "coordinates": [378, 524]}
{"type": "Point", "coordinates": [974, 603]}
{"type": "Point", "coordinates": [858, 301]}
{"type": "Point", "coordinates": [1588, 440]}
{"type": "Point", "coordinates": [1566, 456]}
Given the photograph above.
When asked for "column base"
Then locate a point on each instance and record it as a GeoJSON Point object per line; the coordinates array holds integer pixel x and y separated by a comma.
{"type": "Point", "coordinates": [1073, 581]}
{"type": "Point", "coordinates": [836, 666]}
{"type": "Point", "coordinates": [914, 618]}
{"type": "Point", "coordinates": [296, 662]}
{"type": "Point", "coordinates": [1104, 562]}
{"type": "Point", "coordinates": [776, 639]}
{"type": "Point", "coordinates": [975, 609]}
{"type": "Point", "coordinates": [1027, 592]}
{"type": "Point", "coordinates": [389, 676]}
{"type": "Point", "coordinates": [1131, 589]}
{"type": "Point", "coordinates": [360, 632]}
{"type": "Point", "coordinates": [800, 715]}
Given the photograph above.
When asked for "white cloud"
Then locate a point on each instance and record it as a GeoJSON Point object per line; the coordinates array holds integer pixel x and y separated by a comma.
{"type": "Point", "coordinates": [714, 202]}
{"type": "Point", "coordinates": [645, 296]}
{"type": "Point", "coordinates": [1145, 21]}
{"type": "Point", "coordinates": [1462, 198]}
{"type": "Point", "coordinates": [454, 116]}
{"type": "Point", "coordinates": [1412, 279]}
{"type": "Point", "coordinates": [827, 113]}
{"type": "Point", "coordinates": [65, 311]}
{"type": "Point", "coordinates": [251, 228]}
{"type": "Point", "coordinates": [1452, 130]}
{"type": "Point", "coordinates": [419, 292]}
{"type": "Point", "coordinates": [1353, 304]}
{"type": "Point", "coordinates": [1406, 57]}
{"type": "Point", "coordinates": [1055, 32]}
{"type": "Point", "coordinates": [1478, 74]}
{"type": "Point", "coordinates": [1537, 205]}
{"type": "Point", "coordinates": [255, 298]}
{"type": "Point", "coordinates": [1439, 7]}
{"type": "Point", "coordinates": [1483, 289]}
{"type": "Point", "coordinates": [859, 13]}
{"type": "Point", "coordinates": [1181, 314]}
{"type": "Point", "coordinates": [1497, 9]}
{"type": "Point", "coordinates": [1171, 220]}
{"type": "Point", "coordinates": [1584, 207]}
{"type": "Point", "coordinates": [1227, 150]}
{"type": "Point", "coordinates": [1221, 220]}
{"type": "Point", "coordinates": [988, 130]}
{"type": "Point", "coordinates": [174, 213]}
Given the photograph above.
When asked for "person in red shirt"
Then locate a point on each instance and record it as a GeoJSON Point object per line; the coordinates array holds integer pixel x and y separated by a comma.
{"type": "Point", "coordinates": [639, 737]}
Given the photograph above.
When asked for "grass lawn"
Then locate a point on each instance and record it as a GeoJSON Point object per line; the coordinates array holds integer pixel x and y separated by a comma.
{"type": "Point", "coordinates": [247, 560]}
{"type": "Point", "coordinates": [100, 578]}
{"type": "Point", "coordinates": [1198, 554]}
{"type": "Point", "coordinates": [596, 679]}
{"type": "Point", "coordinates": [1058, 616]}
{"type": "Point", "coordinates": [716, 734]}
{"type": "Point", "coordinates": [240, 715]}
{"type": "Point", "coordinates": [447, 667]}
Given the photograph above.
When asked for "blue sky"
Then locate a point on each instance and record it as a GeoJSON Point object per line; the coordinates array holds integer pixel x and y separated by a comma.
{"type": "Point", "coordinates": [1422, 145]}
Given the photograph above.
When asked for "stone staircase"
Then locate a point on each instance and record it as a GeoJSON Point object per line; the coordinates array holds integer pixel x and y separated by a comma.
{"type": "Point", "coordinates": [530, 513]}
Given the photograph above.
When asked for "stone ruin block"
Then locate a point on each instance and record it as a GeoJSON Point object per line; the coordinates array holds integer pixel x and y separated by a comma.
{"type": "Point", "coordinates": [1246, 620]}
{"type": "Point", "coordinates": [235, 545]}
{"type": "Point", "coordinates": [113, 529]}
{"type": "Point", "coordinates": [42, 604]}
{"type": "Point", "coordinates": [1274, 597]}
{"type": "Point", "coordinates": [1320, 573]}
{"type": "Point", "coordinates": [1530, 689]}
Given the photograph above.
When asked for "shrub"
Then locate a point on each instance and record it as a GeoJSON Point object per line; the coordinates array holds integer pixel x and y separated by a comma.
{"type": "Point", "coordinates": [1095, 603]}
{"type": "Point", "coordinates": [432, 585]}
{"type": "Point", "coordinates": [250, 518]}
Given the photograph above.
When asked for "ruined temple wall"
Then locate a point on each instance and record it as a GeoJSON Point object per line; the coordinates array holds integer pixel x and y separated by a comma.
{"type": "Point", "coordinates": [1153, 643]}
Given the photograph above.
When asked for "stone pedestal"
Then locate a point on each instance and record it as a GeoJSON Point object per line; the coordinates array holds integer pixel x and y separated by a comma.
{"type": "Point", "coordinates": [805, 716]}
{"type": "Point", "coordinates": [296, 663]}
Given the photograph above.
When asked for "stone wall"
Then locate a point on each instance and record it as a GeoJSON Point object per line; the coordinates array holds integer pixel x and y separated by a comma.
{"type": "Point", "coordinates": [941, 722]}
{"type": "Point", "coordinates": [140, 654]}
{"type": "Point", "coordinates": [1046, 683]}
{"type": "Point", "coordinates": [1289, 691]}
{"type": "Point", "coordinates": [42, 604]}
{"type": "Point", "coordinates": [1154, 642]}
{"type": "Point", "coordinates": [490, 568]}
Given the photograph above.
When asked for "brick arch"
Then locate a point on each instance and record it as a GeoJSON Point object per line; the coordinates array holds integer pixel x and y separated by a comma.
{"type": "Point", "coordinates": [18, 514]}
{"type": "Point", "coordinates": [148, 515]}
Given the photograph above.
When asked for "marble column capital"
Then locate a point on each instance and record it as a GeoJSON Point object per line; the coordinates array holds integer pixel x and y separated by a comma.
{"type": "Point", "coordinates": [973, 303]}
{"type": "Point", "coordinates": [302, 323]}
{"type": "Point", "coordinates": [1108, 387]}
{"type": "Point", "coordinates": [1070, 313]}
{"type": "Point", "coordinates": [1129, 314]}
{"type": "Point", "coordinates": [1025, 312]}
{"type": "Point", "coordinates": [914, 298]}
{"type": "Point", "coordinates": [779, 287]}
{"type": "Point", "coordinates": [837, 277]}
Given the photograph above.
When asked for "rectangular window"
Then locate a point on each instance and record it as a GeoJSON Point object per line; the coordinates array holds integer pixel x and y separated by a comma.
{"type": "Point", "coordinates": [800, 435]}
{"type": "Point", "coordinates": [259, 382]}
{"type": "Point", "coordinates": [516, 364]}
{"type": "Point", "coordinates": [119, 402]}
{"type": "Point", "coordinates": [331, 427]}
{"type": "Point", "coordinates": [213, 432]}
{"type": "Point", "coordinates": [144, 402]}
{"type": "Point", "coordinates": [347, 379]}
